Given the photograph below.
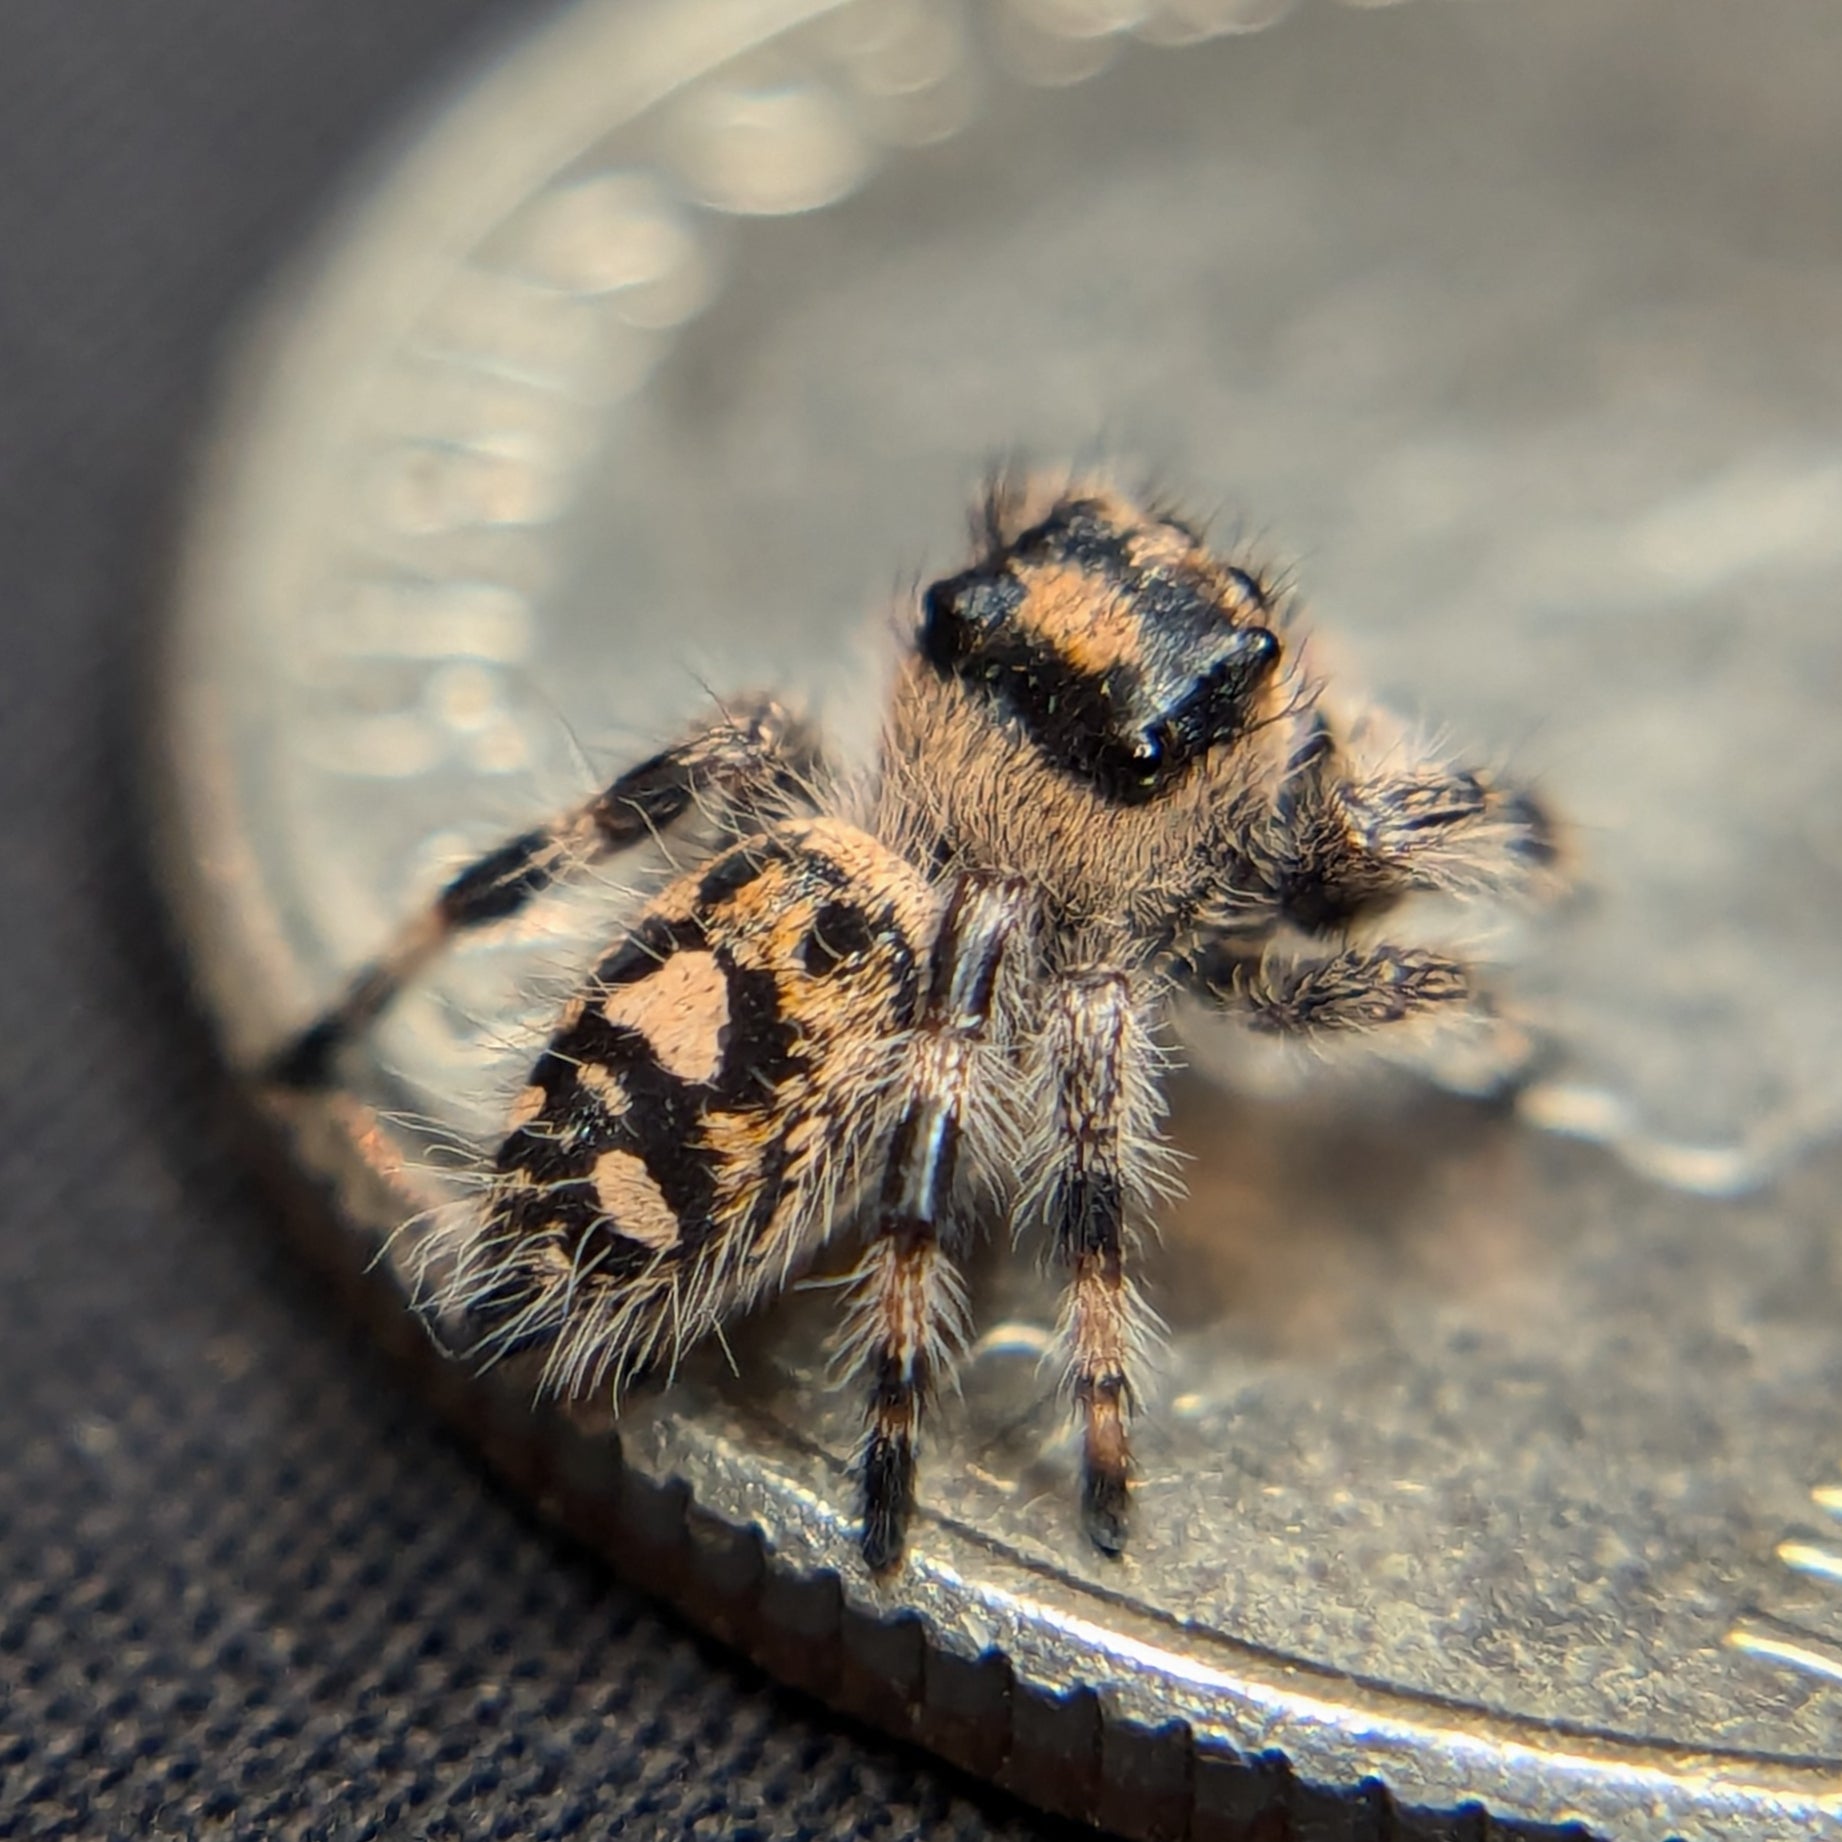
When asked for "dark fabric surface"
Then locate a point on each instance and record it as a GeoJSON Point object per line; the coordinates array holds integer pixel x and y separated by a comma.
{"type": "Point", "coordinates": [247, 1586]}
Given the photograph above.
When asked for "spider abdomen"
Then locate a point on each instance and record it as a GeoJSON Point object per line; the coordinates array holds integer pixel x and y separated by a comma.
{"type": "Point", "coordinates": [708, 1103]}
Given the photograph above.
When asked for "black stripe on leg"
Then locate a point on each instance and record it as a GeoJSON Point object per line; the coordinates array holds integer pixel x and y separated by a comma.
{"type": "Point", "coordinates": [502, 881]}
{"type": "Point", "coordinates": [888, 1465]}
{"type": "Point", "coordinates": [657, 793]}
{"type": "Point", "coordinates": [304, 1064]}
{"type": "Point", "coordinates": [888, 1499]}
{"type": "Point", "coordinates": [650, 797]}
{"type": "Point", "coordinates": [1088, 1214]}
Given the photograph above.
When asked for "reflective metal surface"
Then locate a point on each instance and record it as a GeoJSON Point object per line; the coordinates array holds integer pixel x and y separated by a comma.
{"type": "Point", "coordinates": [1496, 1461]}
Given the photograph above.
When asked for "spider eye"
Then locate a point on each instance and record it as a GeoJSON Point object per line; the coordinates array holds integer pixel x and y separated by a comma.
{"type": "Point", "coordinates": [1147, 759]}
{"type": "Point", "coordinates": [1139, 767]}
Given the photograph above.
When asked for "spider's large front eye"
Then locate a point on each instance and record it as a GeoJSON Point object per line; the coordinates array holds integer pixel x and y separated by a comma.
{"type": "Point", "coordinates": [1145, 760]}
{"type": "Point", "coordinates": [1137, 767]}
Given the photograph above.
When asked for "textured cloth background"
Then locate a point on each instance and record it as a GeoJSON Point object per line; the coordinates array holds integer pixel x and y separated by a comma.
{"type": "Point", "coordinates": [248, 1587]}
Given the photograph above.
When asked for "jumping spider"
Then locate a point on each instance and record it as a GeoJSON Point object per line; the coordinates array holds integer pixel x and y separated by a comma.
{"type": "Point", "coordinates": [932, 996]}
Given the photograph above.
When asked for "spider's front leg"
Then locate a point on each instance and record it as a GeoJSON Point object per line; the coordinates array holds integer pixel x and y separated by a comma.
{"type": "Point", "coordinates": [1095, 1171]}
{"type": "Point", "coordinates": [1364, 820]}
{"type": "Point", "coordinates": [756, 757]}
{"type": "Point", "coordinates": [1367, 818]}
{"type": "Point", "coordinates": [1337, 994]}
{"type": "Point", "coordinates": [906, 1301]}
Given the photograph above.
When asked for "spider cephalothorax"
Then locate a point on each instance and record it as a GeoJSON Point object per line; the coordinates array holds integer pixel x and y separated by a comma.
{"type": "Point", "coordinates": [898, 1005]}
{"type": "Point", "coordinates": [1117, 643]}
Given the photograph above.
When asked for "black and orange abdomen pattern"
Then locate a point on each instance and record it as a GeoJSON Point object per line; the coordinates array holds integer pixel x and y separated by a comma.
{"type": "Point", "coordinates": [710, 1101]}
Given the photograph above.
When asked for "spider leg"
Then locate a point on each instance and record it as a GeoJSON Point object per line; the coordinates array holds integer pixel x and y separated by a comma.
{"type": "Point", "coordinates": [906, 1297]}
{"type": "Point", "coordinates": [1343, 993]}
{"type": "Point", "coordinates": [1097, 1174]}
{"type": "Point", "coordinates": [1367, 817]}
{"type": "Point", "coordinates": [755, 756]}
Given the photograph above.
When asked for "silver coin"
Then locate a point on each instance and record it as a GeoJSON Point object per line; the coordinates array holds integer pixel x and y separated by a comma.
{"type": "Point", "coordinates": [1495, 1464]}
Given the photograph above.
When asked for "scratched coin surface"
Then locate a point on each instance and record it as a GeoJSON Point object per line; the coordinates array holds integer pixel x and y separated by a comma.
{"type": "Point", "coordinates": [1496, 1462]}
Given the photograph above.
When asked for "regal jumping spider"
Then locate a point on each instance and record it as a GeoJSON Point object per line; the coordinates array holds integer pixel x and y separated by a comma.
{"type": "Point", "coordinates": [932, 997]}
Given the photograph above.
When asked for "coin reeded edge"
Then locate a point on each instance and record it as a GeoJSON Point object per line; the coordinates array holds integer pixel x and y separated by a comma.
{"type": "Point", "coordinates": [1074, 1700]}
